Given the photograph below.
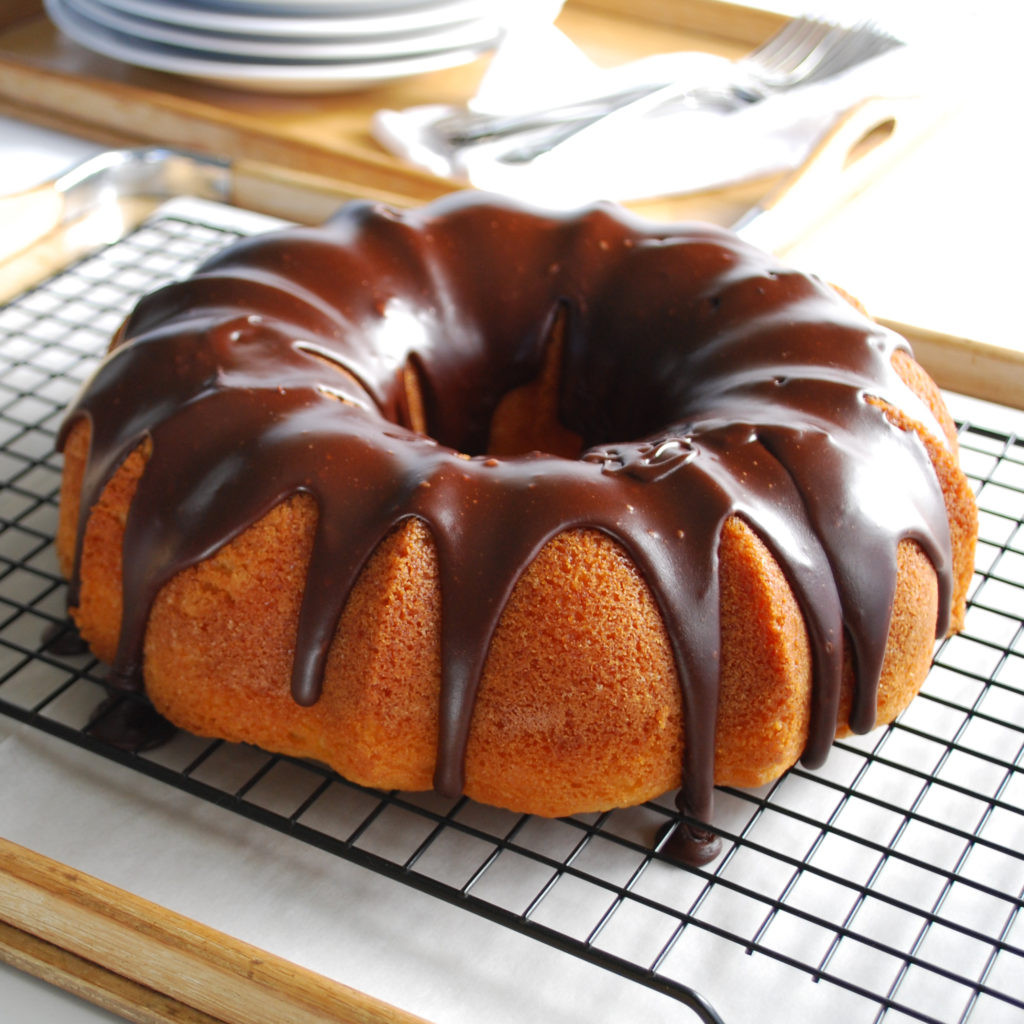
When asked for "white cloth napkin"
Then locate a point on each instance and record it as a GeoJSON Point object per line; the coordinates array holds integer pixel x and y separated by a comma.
{"type": "Point", "coordinates": [670, 153]}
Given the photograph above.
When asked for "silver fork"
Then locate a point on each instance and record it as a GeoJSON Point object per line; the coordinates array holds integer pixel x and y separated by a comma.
{"type": "Point", "coordinates": [836, 50]}
{"type": "Point", "coordinates": [805, 50]}
{"type": "Point", "coordinates": [776, 55]}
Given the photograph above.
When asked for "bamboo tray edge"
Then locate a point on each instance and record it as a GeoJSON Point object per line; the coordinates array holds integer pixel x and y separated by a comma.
{"type": "Point", "coordinates": [132, 956]}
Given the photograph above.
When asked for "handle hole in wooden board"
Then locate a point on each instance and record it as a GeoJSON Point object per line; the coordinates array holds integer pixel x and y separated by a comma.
{"type": "Point", "coordinates": [870, 140]}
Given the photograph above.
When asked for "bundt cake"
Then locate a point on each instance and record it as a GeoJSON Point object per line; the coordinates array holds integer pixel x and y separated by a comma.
{"type": "Point", "coordinates": [558, 511]}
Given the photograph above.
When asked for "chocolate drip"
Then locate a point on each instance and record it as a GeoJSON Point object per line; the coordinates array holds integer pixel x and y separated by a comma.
{"type": "Point", "coordinates": [129, 723]}
{"type": "Point", "coordinates": [706, 381]}
{"type": "Point", "coordinates": [64, 639]}
{"type": "Point", "coordinates": [689, 844]}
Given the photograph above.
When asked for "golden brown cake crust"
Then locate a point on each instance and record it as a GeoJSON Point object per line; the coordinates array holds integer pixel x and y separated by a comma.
{"type": "Point", "coordinates": [580, 704]}
{"type": "Point", "coordinates": [570, 717]}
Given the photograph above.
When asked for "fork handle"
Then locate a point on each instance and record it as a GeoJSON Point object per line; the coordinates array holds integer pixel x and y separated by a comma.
{"type": "Point", "coordinates": [866, 141]}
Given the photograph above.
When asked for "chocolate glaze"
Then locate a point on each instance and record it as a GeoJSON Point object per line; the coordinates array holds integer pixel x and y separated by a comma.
{"type": "Point", "coordinates": [64, 639]}
{"type": "Point", "coordinates": [129, 722]}
{"type": "Point", "coordinates": [706, 381]}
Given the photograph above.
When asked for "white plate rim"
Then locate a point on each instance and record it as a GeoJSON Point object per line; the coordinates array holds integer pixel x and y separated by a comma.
{"type": "Point", "coordinates": [473, 33]}
{"type": "Point", "coordinates": [356, 6]}
{"type": "Point", "coordinates": [451, 12]}
{"type": "Point", "coordinates": [278, 77]}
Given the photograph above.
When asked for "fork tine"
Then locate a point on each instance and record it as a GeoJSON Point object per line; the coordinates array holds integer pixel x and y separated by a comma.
{"type": "Point", "coordinates": [793, 31]}
{"type": "Point", "coordinates": [790, 45]}
{"type": "Point", "coordinates": [860, 43]}
{"type": "Point", "coordinates": [831, 38]}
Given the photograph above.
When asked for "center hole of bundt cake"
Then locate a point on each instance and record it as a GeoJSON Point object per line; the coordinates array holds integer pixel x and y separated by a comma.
{"type": "Point", "coordinates": [523, 419]}
{"type": "Point", "coordinates": [527, 417]}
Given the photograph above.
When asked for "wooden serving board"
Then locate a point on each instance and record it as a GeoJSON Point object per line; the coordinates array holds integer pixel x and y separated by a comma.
{"type": "Point", "coordinates": [321, 140]}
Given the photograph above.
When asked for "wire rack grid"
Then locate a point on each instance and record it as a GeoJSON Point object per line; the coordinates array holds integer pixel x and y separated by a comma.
{"type": "Point", "coordinates": [893, 876]}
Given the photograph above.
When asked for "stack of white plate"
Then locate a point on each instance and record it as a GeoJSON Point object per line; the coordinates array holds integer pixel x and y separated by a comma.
{"type": "Point", "coordinates": [296, 45]}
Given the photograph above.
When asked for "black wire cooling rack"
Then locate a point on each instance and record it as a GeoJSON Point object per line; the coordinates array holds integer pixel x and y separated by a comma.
{"type": "Point", "coordinates": [894, 875]}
